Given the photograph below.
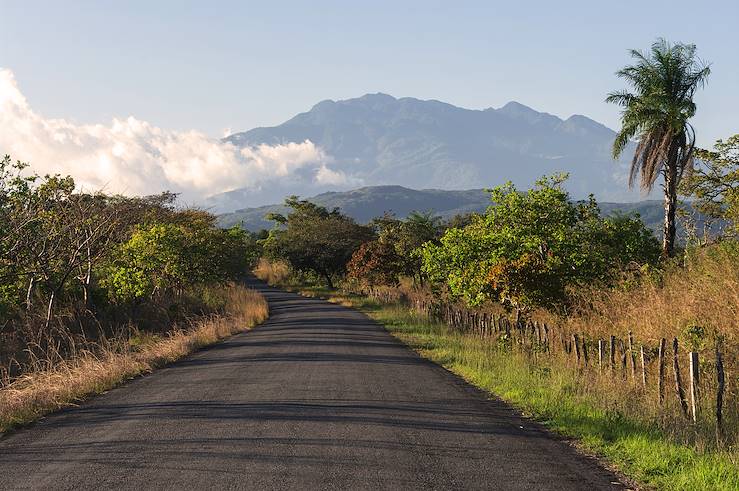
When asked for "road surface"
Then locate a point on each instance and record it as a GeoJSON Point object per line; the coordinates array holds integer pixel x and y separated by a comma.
{"type": "Point", "coordinates": [318, 397]}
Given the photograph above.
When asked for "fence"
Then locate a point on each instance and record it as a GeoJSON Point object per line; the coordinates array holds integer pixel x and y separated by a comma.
{"type": "Point", "coordinates": [622, 358]}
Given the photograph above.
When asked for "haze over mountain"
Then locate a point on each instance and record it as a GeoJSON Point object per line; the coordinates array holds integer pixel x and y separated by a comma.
{"type": "Point", "coordinates": [377, 139]}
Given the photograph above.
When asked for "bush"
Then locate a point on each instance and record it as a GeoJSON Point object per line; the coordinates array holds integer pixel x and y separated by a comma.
{"type": "Point", "coordinates": [530, 248]}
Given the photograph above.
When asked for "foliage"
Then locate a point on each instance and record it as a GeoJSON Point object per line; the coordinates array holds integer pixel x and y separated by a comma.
{"type": "Point", "coordinates": [460, 220]}
{"type": "Point", "coordinates": [375, 263]}
{"type": "Point", "coordinates": [64, 255]}
{"type": "Point", "coordinates": [529, 248]}
{"type": "Point", "coordinates": [396, 251]}
{"type": "Point", "coordinates": [714, 184]}
{"type": "Point", "coordinates": [312, 239]}
{"type": "Point", "coordinates": [172, 256]}
{"type": "Point", "coordinates": [657, 113]}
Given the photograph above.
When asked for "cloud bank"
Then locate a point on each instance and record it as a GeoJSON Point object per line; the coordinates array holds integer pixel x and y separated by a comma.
{"type": "Point", "coordinates": [135, 157]}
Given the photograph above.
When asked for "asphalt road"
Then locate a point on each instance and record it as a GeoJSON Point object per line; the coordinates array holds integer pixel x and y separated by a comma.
{"type": "Point", "coordinates": [319, 397]}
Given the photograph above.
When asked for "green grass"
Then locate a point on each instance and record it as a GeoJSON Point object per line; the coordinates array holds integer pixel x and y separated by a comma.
{"type": "Point", "coordinates": [553, 395]}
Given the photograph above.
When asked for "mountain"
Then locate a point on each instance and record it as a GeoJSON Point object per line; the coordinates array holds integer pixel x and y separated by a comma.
{"type": "Point", "coordinates": [368, 202]}
{"type": "Point", "coordinates": [377, 139]}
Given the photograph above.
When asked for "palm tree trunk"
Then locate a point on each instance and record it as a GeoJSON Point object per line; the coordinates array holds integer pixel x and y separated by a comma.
{"type": "Point", "coordinates": [670, 187]}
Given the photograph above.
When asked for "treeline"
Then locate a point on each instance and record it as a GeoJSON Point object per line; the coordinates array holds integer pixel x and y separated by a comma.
{"type": "Point", "coordinates": [528, 250]}
{"type": "Point", "coordinates": [537, 249]}
{"type": "Point", "coordinates": [76, 266]}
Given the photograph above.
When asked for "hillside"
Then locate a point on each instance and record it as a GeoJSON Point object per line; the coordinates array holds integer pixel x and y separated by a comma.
{"type": "Point", "coordinates": [365, 203]}
{"type": "Point", "coordinates": [377, 139]}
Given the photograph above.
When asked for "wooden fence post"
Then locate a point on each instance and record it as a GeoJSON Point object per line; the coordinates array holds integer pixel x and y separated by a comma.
{"type": "Point", "coordinates": [719, 396]}
{"type": "Point", "coordinates": [632, 354]}
{"type": "Point", "coordinates": [576, 343]}
{"type": "Point", "coordinates": [643, 368]}
{"type": "Point", "coordinates": [694, 384]}
{"type": "Point", "coordinates": [612, 353]}
{"type": "Point", "coordinates": [624, 352]}
{"type": "Point", "coordinates": [538, 332]}
{"type": "Point", "coordinates": [562, 342]}
{"type": "Point", "coordinates": [678, 381]}
{"type": "Point", "coordinates": [600, 355]}
{"type": "Point", "coordinates": [661, 371]}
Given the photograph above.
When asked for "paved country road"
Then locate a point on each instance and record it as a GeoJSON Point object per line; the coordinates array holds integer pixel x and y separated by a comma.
{"type": "Point", "coordinates": [318, 397]}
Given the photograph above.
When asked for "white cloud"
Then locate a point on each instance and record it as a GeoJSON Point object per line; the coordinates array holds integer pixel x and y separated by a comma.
{"type": "Point", "coordinates": [134, 157]}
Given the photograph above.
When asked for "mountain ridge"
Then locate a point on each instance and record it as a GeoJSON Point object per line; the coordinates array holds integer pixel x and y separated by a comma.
{"type": "Point", "coordinates": [377, 139]}
{"type": "Point", "coordinates": [368, 202]}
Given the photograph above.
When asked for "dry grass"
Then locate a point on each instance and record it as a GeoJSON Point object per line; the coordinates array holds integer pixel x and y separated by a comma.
{"type": "Point", "coordinates": [704, 293]}
{"type": "Point", "coordinates": [698, 303]}
{"type": "Point", "coordinates": [274, 273]}
{"type": "Point", "coordinates": [39, 392]}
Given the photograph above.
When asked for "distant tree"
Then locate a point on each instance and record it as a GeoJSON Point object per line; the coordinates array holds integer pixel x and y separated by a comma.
{"type": "Point", "coordinates": [168, 258]}
{"type": "Point", "coordinates": [657, 113]}
{"type": "Point", "coordinates": [312, 239]}
{"type": "Point", "coordinates": [405, 237]}
{"type": "Point", "coordinates": [459, 221]}
{"type": "Point", "coordinates": [396, 251]}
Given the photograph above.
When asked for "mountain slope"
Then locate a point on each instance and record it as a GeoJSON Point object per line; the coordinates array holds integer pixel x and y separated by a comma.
{"type": "Point", "coordinates": [366, 203]}
{"type": "Point", "coordinates": [377, 139]}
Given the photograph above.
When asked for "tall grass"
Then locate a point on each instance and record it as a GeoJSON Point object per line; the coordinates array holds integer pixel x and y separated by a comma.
{"type": "Point", "coordinates": [696, 302]}
{"type": "Point", "coordinates": [272, 272]}
{"type": "Point", "coordinates": [52, 386]}
{"type": "Point", "coordinates": [703, 293]}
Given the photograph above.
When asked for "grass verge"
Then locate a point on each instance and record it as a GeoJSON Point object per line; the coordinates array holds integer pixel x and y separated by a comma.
{"type": "Point", "coordinates": [41, 392]}
{"type": "Point", "coordinates": [554, 394]}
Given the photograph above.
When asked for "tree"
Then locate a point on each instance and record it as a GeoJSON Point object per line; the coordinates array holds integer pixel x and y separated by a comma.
{"type": "Point", "coordinates": [714, 183]}
{"type": "Point", "coordinates": [186, 252]}
{"type": "Point", "coordinates": [396, 251]}
{"type": "Point", "coordinates": [405, 237]}
{"type": "Point", "coordinates": [375, 263]}
{"type": "Point", "coordinates": [657, 113]}
{"type": "Point", "coordinates": [529, 248]}
{"type": "Point", "coordinates": [312, 239]}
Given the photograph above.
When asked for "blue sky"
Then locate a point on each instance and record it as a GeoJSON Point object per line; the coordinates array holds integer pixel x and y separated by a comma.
{"type": "Point", "coordinates": [216, 65]}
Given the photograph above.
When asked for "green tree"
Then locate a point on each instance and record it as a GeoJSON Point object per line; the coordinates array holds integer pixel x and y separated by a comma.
{"type": "Point", "coordinates": [657, 113]}
{"type": "Point", "coordinates": [312, 239]}
{"type": "Point", "coordinates": [405, 237]}
{"type": "Point", "coordinates": [530, 247]}
{"type": "Point", "coordinates": [396, 251]}
{"type": "Point", "coordinates": [169, 258]}
{"type": "Point", "coordinates": [714, 183]}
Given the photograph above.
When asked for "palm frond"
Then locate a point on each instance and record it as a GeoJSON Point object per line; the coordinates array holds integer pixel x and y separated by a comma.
{"type": "Point", "coordinates": [664, 80]}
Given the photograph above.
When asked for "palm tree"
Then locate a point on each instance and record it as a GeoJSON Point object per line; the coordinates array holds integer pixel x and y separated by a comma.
{"type": "Point", "coordinates": [657, 113]}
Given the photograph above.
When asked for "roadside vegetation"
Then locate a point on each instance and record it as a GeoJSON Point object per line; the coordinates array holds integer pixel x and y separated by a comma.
{"type": "Point", "coordinates": [622, 340]}
{"type": "Point", "coordinates": [97, 288]}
